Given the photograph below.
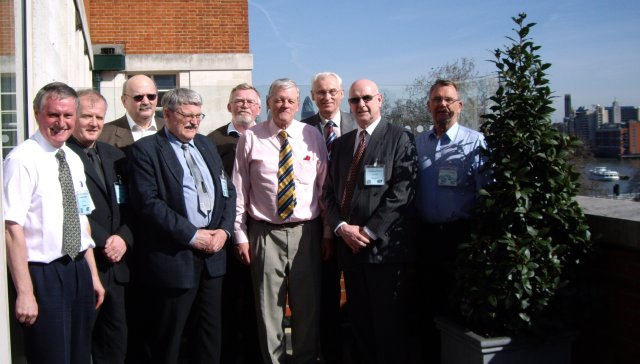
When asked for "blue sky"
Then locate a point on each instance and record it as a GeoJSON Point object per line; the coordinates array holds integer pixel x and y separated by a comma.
{"type": "Point", "coordinates": [593, 46]}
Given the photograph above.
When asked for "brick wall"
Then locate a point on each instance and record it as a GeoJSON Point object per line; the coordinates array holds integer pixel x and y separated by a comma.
{"type": "Point", "coordinates": [171, 26]}
{"type": "Point", "coordinates": [7, 28]}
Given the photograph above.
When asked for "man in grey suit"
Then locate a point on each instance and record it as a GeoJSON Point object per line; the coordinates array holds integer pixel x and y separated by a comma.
{"type": "Point", "coordinates": [140, 98]}
{"type": "Point", "coordinates": [368, 196]}
{"type": "Point", "coordinates": [327, 93]}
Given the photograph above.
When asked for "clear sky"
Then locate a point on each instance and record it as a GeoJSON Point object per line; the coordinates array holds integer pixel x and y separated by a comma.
{"type": "Point", "coordinates": [593, 45]}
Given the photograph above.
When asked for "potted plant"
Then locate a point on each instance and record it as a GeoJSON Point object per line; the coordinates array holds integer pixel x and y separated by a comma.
{"type": "Point", "coordinates": [530, 234]}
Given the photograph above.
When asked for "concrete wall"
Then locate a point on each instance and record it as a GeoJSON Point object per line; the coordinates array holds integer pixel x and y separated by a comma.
{"type": "Point", "coordinates": [611, 332]}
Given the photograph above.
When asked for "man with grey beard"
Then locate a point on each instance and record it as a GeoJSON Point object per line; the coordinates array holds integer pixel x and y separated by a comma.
{"type": "Point", "coordinates": [239, 328]}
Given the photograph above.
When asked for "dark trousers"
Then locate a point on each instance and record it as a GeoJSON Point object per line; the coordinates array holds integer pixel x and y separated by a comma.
{"type": "Point", "coordinates": [168, 312]}
{"type": "Point", "coordinates": [66, 307]}
{"type": "Point", "coordinates": [240, 343]}
{"type": "Point", "coordinates": [330, 325]}
{"type": "Point", "coordinates": [437, 247]}
{"type": "Point", "coordinates": [378, 308]}
{"type": "Point", "coordinates": [109, 341]}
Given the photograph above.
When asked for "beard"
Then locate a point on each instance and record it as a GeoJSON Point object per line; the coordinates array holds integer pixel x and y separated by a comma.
{"type": "Point", "coordinates": [243, 119]}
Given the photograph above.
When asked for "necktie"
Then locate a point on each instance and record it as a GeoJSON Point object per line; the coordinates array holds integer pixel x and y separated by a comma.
{"type": "Point", "coordinates": [204, 201]}
{"type": "Point", "coordinates": [95, 160]}
{"type": "Point", "coordinates": [351, 178]}
{"type": "Point", "coordinates": [330, 136]}
{"type": "Point", "coordinates": [71, 219]}
{"type": "Point", "coordinates": [286, 186]}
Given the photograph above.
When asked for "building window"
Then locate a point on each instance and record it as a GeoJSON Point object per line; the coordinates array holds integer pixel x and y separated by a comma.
{"type": "Point", "coordinates": [164, 84]}
{"type": "Point", "coordinates": [8, 112]}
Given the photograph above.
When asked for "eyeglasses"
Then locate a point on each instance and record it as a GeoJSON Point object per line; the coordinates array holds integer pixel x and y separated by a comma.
{"type": "Point", "coordinates": [241, 102]}
{"type": "Point", "coordinates": [366, 98]}
{"type": "Point", "coordinates": [447, 100]}
{"type": "Point", "coordinates": [138, 98]}
{"type": "Point", "coordinates": [198, 117]}
{"type": "Point", "coordinates": [331, 92]}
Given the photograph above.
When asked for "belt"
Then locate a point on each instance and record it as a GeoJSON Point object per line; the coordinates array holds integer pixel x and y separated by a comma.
{"type": "Point", "coordinates": [448, 226]}
{"type": "Point", "coordinates": [284, 225]}
{"type": "Point", "coordinates": [65, 259]}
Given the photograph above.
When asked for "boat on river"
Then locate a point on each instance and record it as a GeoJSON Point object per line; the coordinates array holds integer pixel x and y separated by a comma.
{"type": "Point", "coordinates": [603, 174]}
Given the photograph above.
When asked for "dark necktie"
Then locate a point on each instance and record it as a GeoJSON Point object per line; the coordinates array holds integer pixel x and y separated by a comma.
{"type": "Point", "coordinates": [345, 206]}
{"type": "Point", "coordinates": [330, 136]}
{"type": "Point", "coordinates": [204, 201]}
{"type": "Point", "coordinates": [97, 165]}
{"type": "Point", "coordinates": [71, 219]}
{"type": "Point", "coordinates": [286, 186]}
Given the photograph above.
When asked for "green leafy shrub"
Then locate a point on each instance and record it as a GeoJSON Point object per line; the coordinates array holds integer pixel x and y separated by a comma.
{"type": "Point", "coordinates": [530, 232]}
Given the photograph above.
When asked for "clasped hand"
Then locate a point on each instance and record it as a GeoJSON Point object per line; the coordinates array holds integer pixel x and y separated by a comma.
{"type": "Point", "coordinates": [210, 241]}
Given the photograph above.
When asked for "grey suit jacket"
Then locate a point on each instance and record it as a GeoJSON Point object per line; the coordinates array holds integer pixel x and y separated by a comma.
{"type": "Point", "coordinates": [385, 210]}
{"type": "Point", "coordinates": [118, 132]}
{"type": "Point", "coordinates": [347, 122]}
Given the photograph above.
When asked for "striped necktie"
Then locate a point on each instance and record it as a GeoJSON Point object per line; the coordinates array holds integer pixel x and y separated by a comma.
{"type": "Point", "coordinates": [330, 136]}
{"type": "Point", "coordinates": [286, 186]}
{"type": "Point", "coordinates": [71, 220]}
{"type": "Point", "coordinates": [345, 206]}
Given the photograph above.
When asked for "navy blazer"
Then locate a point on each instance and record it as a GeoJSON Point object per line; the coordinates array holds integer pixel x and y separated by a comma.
{"type": "Point", "coordinates": [108, 218]}
{"type": "Point", "coordinates": [385, 210]}
{"type": "Point", "coordinates": [163, 255]}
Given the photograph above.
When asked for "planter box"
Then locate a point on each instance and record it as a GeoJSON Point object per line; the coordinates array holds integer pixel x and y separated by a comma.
{"type": "Point", "coordinates": [461, 346]}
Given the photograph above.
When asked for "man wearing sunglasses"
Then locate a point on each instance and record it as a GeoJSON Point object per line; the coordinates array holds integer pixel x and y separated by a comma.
{"type": "Point", "coordinates": [449, 178]}
{"type": "Point", "coordinates": [140, 98]}
{"type": "Point", "coordinates": [369, 199]}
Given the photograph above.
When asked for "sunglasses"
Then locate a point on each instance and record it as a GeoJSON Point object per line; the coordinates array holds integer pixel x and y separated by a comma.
{"type": "Point", "coordinates": [138, 98]}
{"type": "Point", "coordinates": [365, 98]}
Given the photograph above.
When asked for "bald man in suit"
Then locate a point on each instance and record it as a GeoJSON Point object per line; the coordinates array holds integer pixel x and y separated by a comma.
{"type": "Point", "coordinates": [140, 98]}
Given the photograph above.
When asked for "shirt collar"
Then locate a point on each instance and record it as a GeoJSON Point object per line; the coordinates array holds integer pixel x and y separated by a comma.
{"type": "Point", "coordinates": [134, 126]}
{"type": "Point", "coordinates": [336, 119]}
{"type": "Point", "coordinates": [232, 129]}
{"type": "Point", "coordinates": [371, 127]}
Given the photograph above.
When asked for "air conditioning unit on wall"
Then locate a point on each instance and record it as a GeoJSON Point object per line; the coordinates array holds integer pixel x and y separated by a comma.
{"type": "Point", "coordinates": [108, 57]}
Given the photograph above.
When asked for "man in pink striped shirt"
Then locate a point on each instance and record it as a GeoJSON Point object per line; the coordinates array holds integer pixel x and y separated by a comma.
{"type": "Point", "coordinates": [283, 253]}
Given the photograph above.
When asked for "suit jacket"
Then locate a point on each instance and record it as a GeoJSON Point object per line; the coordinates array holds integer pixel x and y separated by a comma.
{"type": "Point", "coordinates": [226, 145]}
{"type": "Point", "coordinates": [118, 132]}
{"type": "Point", "coordinates": [109, 217]}
{"type": "Point", "coordinates": [164, 257]}
{"type": "Point", "coordinates": [385, 210]}
{"type": "Point", "coordinates": [347, 122]}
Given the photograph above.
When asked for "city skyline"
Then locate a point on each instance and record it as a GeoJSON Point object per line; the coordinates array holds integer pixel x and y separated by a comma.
{"type": "Point", "coordinates": [591, 44]}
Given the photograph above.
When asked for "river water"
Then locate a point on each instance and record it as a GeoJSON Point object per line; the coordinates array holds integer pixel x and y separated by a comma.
{"type": "Point", "coordinates": [629, 170]}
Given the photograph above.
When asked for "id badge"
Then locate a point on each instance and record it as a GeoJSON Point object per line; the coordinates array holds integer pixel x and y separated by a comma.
{"type": "Point", "coordinates": [121, 193]}
{"type": "Point", "coordinates": [223, 182]}
{"type": "Point", "coordinates": [374, 175]}
{"type": "Point", "coordinates": [83, 199]}
{"type": "Point", "coordinates": [447, 176]}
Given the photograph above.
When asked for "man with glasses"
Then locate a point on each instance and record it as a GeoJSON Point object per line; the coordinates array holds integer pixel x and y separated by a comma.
{"type": "Point", "coordinates": [369, 200]}
{"type": "Point", "coordinates": [279, 171]}
{"type": "Point", "coordinates": [185, 205]}
{"type": "Point", "coordinates": [239, 327]}
{"type": "Point", "coordinates": [449, 177]}
{"type": "Point", "coordinates": [331, 122]}
{"type": "Point", "coordinates": [139, 97]}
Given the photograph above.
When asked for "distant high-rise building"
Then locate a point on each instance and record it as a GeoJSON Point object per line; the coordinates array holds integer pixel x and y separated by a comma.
{"type": "Point", "coordinates": [627, 114]}
{"type": "Point", "coordinates": [568, 110]}
{"type": "Point", "coordinates": [615, 114]}
{"type": "Point", "coordinates": [634, 137]}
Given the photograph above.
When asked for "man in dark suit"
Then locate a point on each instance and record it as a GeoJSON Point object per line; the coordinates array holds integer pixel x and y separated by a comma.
{"type": "Point", "coordinates": [185, 207]}
{"type": "Point", "coordinates": [140, 98]}
{"type": "Point", "coordinates": [327, 93]}
{"type": "Point", "coordinates": [105, 170]}
{"type": "Point", "coordinates": [239, 322]}
{"type": "Point", "coordinates": [369, 197]}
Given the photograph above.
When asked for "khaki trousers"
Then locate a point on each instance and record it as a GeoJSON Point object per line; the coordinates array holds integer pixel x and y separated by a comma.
{"type": "Point", "coordinates": [286, 259]}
